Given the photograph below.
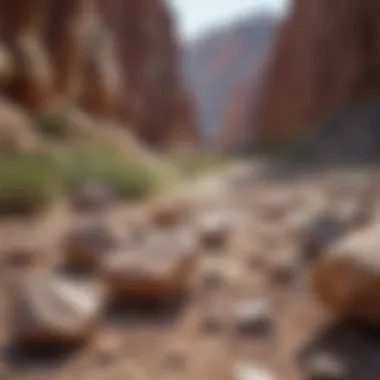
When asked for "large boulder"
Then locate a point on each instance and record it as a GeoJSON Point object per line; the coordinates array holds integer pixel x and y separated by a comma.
{"type": "Point", "coordinates": [347, 277]}
{"type": "Point", "coordinates": [54, 310]}
{"type": "Point", "coordinates": [159, 269]}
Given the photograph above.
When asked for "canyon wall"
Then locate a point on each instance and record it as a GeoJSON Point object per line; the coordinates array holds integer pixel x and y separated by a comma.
{"type": "Point", "coordinates": [326, 56]}
{"type": "Point", "coordinates": [115, 60]}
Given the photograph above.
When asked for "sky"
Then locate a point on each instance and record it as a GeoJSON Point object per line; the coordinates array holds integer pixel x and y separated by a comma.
{"type": "Point", "coordinates": [195, 16]}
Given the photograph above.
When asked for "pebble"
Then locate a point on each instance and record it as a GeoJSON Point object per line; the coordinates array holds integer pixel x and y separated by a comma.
{"type": "Point", "coordinates": [254, 317]}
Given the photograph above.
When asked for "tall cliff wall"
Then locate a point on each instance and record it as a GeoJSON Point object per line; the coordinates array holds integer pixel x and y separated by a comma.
{"type": "Point", "coordinates": [116, 60]}
{"type": "Point", "coordinates": [327, 56]}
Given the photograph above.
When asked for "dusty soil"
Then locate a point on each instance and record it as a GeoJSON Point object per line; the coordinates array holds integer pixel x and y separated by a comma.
{"type": "Point", "coordinates": [199, 337]}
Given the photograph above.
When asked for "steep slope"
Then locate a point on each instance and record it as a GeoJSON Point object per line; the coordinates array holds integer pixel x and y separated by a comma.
{"type": "Point", "coordinates": [218, 64]}
{"type": "Point", "coordinates": [326, 57]}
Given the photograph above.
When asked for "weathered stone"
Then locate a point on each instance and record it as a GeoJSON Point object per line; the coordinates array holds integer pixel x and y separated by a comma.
{"type": "Point", "coordinates": [250, 371]}
{"type": "Point", "coordinates": [54, 310]}
{"type": "Point", "coordinates": [86, 246]}
{"type": "Point", "coordinates": [166, 213]}
{"type": "Point", "coordinates": [254, 317]}
{"type": "Point", "coordinates": [319, 233]}
{"type": "Point", "coordinates": [347, 278]}
{"type": "Point", "coordinates": [92, 197]}
{"type": "Point", "coordinates": [282, 268]}
{"type": "Point", "coordinates": [214, 230]}
{"type": "Point", "coordinates": [159, 269]}
{"type": "Point", "coordinates": [325, 367]}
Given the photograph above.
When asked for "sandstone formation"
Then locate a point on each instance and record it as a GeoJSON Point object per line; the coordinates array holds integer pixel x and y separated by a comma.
{"type": "Point", "coordinates": [346, 278]}
{"type": "Point", "coordinates": [116, 61]}
{"type": "Point", "coordinates": [325, 58]}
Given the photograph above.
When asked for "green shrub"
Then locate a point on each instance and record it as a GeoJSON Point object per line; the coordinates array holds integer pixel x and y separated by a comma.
{"type": "Point", "coordinates": [30, 183]}
{"type": "Point", "coordinates": [53, 124]}
{"type": "Point", "coordinates": [128, 180]}
{"type": "Point", "coordinates": [27, 183]}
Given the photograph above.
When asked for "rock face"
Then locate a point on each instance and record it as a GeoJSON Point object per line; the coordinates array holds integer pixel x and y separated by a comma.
{"type": "Point", "coordinates": [325, 58]}
{"type": "Point", "coordinates": [346, 278]}
{"type": "Point", "coordinates": [115, 60]}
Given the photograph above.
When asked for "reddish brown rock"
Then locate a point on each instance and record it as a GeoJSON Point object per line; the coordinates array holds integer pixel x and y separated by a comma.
{"type": "Point", "coordinates": [346, 278]}
{"type": "Point", "coordinates": [160, 269]}
{"type": "Point", "coordinates": [325, 58]}
{"type": "Point", "coordinates": [115, 60]}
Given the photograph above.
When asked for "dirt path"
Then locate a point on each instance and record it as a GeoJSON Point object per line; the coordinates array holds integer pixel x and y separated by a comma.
{"type": "Point", "coordinates": [248, 308]}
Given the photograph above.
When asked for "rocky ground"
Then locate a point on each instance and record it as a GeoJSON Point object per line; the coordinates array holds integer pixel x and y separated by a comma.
{"type": "Point", "coordinates": [235, 277]}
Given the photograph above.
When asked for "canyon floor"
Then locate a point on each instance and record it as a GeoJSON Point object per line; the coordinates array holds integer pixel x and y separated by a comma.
{"type": "Point", "coordinates": [248, 312]}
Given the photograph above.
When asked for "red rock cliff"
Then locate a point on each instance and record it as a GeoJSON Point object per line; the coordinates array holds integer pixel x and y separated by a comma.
{"type": "Point", "coordinates": [326, 56]}
{"type": "Point", "coordinates": [116, 60]}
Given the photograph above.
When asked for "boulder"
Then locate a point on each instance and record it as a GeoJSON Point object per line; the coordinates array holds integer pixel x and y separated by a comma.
{"type": "Point", "coordinates": [159, 269]}
{"type": "Point", "coordinates": [85, 246]}
{"type": "Point", "coordinates": [346, 278]}
{"type": "Point", "coordinates": [164, 213]}
{"type": "Point", "coordinates": [51, 310]}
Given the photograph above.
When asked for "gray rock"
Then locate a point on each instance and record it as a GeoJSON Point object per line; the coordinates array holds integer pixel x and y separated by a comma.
{"type": "Point", "coordinates": [254, 317]}
{"type": "Point", "coordinates": [252, 372]}
{"type": "Point", "coordinates": [323, 366]}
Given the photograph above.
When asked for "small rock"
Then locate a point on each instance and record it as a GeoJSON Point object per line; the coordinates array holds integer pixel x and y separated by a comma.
{"type": "Point", "coordinates": [160, 269]}
{"type": "Point", "coordinates": [282, 269]}
{"type": "Point", "coordinates": [252, 372]}
{"type": "Point", "coordinates": [325, 367]}
{"type": "Point", "coordinates": [346, 278]}
{"type": "Point", "coordinates": [318, 234]}
{"type": "Point", "coordinates": [212, 279]}
{"type": "Point", "coordinates": [85, 247]}
{"type": "Point", "coordinates": [254, 317]}
{"type": "Point", "coordinates": [214, 230]}
{"type": "Point", "coordinates": [92, 197]}
{"type": "Point", "coordinates": [167, 214]}
{"type": "Point", "coordinates": [55, 311]}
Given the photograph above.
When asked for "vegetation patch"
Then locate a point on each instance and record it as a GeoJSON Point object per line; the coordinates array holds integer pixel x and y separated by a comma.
{"type": "Point", "coordinates": [127, 179]}
{"type": "Point", "coordinates": [28, 183]}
